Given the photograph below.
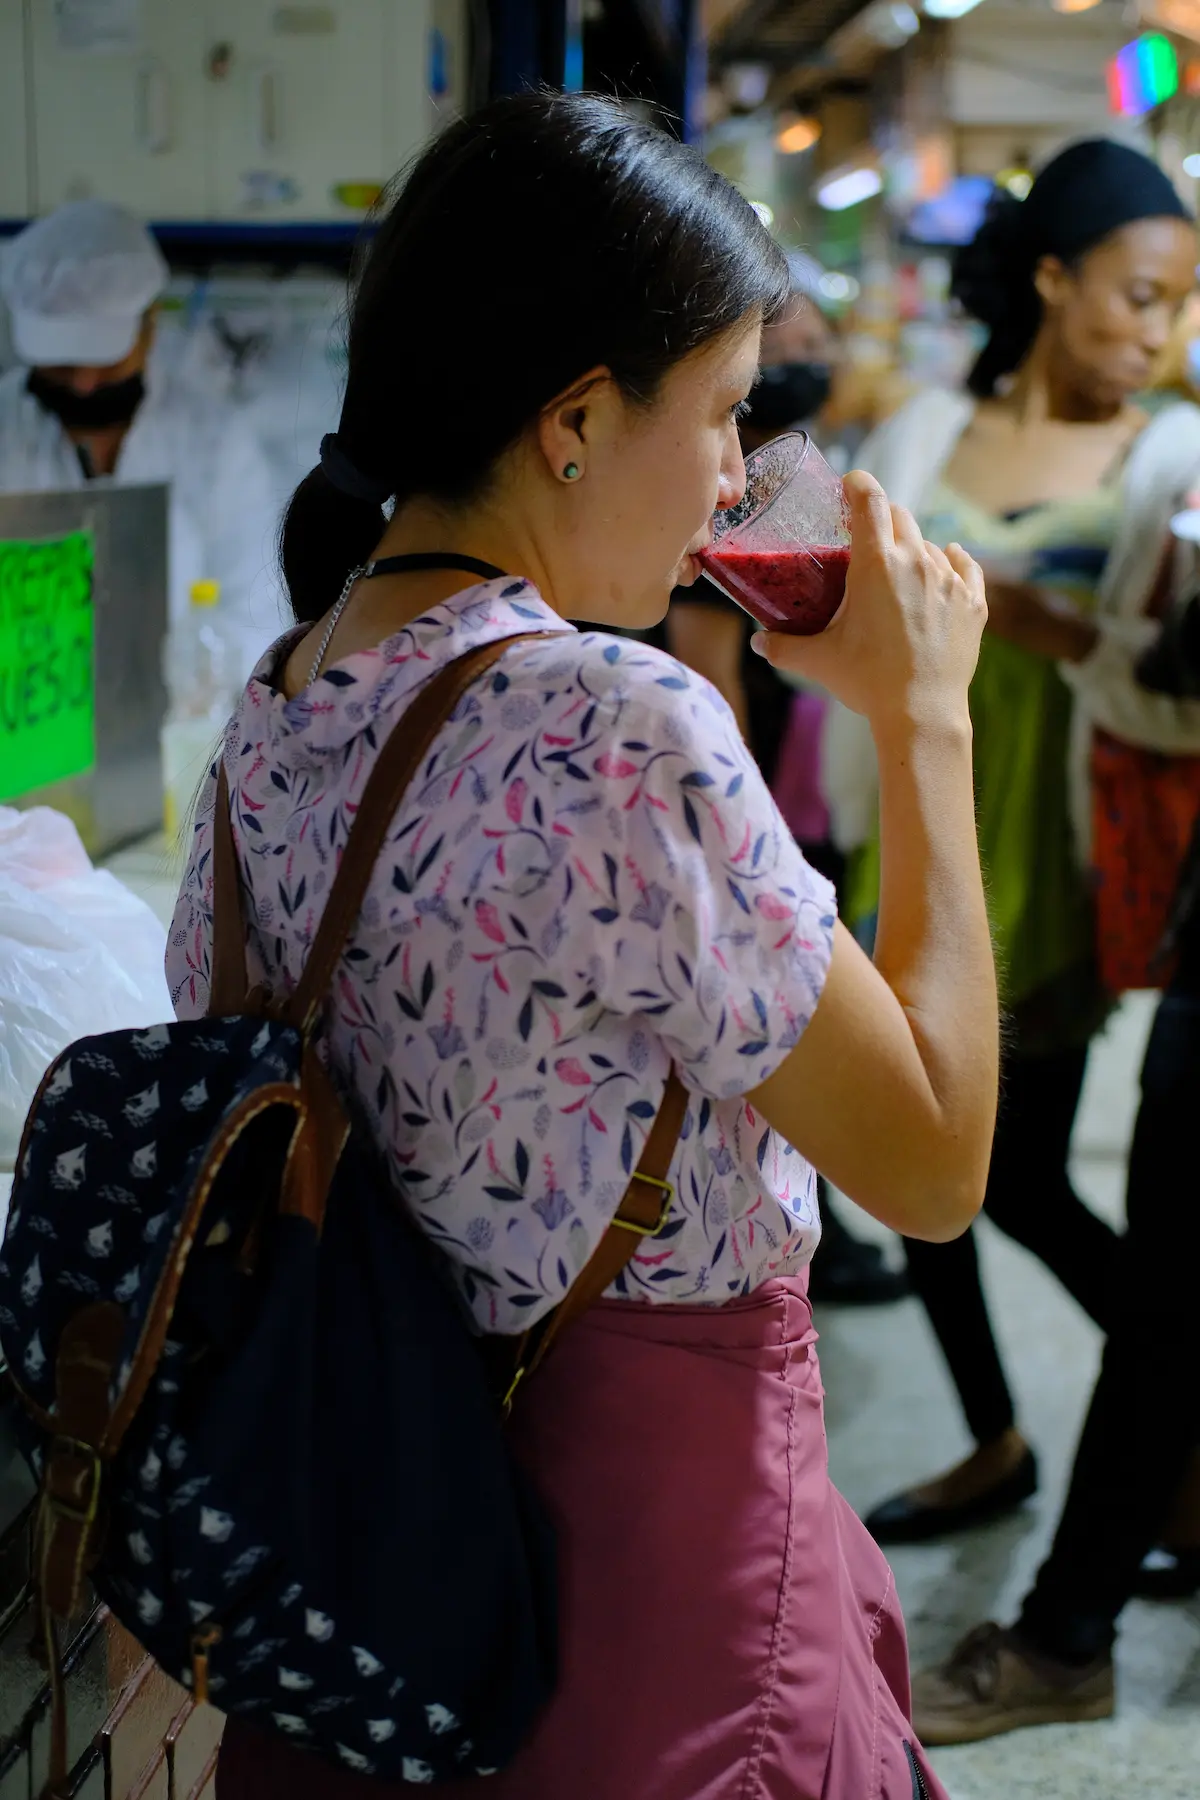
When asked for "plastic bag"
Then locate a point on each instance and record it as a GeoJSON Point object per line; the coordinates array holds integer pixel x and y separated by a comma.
{"type": "Point", "coordinates": [78, 954]}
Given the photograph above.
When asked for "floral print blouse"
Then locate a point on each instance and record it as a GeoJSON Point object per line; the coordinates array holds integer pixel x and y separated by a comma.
{"type": "Point", "coordinates": [589, 880]}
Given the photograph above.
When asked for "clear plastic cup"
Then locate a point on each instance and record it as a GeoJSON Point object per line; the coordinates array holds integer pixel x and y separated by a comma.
{"type": "Point", "coordinates": [783, 551]}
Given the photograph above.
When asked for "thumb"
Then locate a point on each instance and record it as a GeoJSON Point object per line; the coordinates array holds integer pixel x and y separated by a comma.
{"type": "Point", "coordinates": [870, 511]}
{"type": "Point", "coordinates": [808, 657]}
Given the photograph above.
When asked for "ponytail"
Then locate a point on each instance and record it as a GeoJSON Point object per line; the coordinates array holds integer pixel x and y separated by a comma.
{"type": "Point", "coordinates": [993, 281]}
{"type": "Point", "coordinates": [325, 534]}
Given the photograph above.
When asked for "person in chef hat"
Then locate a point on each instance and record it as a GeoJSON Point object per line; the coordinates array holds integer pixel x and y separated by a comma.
{"type": "Point", "coordinates": [87, 402]}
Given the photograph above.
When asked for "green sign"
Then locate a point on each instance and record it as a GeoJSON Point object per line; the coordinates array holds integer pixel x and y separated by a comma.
{"type": "Point", "coordinates": [47, 687]}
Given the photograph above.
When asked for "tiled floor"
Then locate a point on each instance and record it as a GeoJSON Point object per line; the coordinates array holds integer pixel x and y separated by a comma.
{"type": "Point", "coordinates": [892, 1419]}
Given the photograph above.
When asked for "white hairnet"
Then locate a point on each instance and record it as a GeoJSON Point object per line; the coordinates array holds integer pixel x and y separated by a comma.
{"type": "Point", "coordinates": [77, 284]}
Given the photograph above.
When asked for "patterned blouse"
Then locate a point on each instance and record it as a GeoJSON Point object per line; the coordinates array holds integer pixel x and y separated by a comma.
{"type": "Point", "coordinates": [589, 880]}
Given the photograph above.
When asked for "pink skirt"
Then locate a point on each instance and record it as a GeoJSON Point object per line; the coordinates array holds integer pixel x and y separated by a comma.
{"type": "Point", "coordinates": [730, 1631]}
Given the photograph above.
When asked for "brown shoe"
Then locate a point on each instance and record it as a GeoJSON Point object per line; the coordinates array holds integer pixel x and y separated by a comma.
{"type": "Point", "coordinates": [992, 1683]}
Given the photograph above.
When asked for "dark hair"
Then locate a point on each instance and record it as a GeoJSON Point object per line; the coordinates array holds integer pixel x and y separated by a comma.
{"type": "Point", "coordinates": [1082, 196]}
{"type": "Point", "coordinates": [547, 235]}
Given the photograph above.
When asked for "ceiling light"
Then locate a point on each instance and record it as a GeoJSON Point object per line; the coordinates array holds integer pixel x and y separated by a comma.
{"type": "Point", "coordinates": [1073, 6]}
{"type": "Point", "coordinates": [836, 286]}
{"type": "Point", "coordinates": [799, 135]}
{"type": "Point", "coordinates": [849, 189]}
{"type": "Point", "coordinates": [1142, 75]}
{"type": "Point", "coordinates": [1191, 166]}
{"type": "Point", "coordinates": [747, 83]}
{"type": "Point", "coordinates": [1178, 16]}
{"type": "Point", "coordinates": [889, 23]}
{"type": "Point", "coordinates": [948, 9]}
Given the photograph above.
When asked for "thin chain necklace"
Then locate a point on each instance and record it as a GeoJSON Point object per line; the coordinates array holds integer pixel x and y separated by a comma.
{"type": "Point", "coordinates": [410, 564]}
{"type": "Point", "coordinates": [334, 616]}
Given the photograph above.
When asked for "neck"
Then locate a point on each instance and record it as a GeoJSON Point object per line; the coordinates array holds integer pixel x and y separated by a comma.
{"type": "Point", "coordinates": [102, 447]}
{"type": "Point", "coordinates": [1045, 389]}
{"type": "Point", "coordinates": [485, 532]}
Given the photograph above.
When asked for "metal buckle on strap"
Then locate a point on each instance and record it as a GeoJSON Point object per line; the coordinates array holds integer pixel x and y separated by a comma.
{"type": "Point", "coordinates": [72, 1488]}
{"type": "Point", "coordinates": [664, 1211]}
{"type": "Point", "coordinates": [514, 1384]}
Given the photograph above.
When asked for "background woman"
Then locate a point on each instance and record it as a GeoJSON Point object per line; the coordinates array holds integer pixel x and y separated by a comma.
{"type": "Point", "coordinates": [1131, 1473]}
{"type": "Point", "coordinates": [1064, 488]}
{"type": "Point", "coordinates": [589, 885]}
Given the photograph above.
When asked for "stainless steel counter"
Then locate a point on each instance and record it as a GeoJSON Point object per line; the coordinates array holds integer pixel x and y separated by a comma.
{"type": "Point", "coordinates": [82, 672]}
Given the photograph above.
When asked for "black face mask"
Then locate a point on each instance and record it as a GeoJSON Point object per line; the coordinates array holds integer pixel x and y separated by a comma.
{"type": "Point", "coordinates": [787, 394]}
{"type": "Point", "coordinates": [113, 404]}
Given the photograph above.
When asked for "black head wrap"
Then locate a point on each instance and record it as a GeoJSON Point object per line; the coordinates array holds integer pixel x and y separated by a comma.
{"type": "Point", "coordinates": [1087, 192]}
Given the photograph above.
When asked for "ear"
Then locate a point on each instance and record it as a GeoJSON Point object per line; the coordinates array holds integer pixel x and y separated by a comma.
{"type": "Point", "coordinates": [575, 420]}
{"type": "Point", "coordinates": [1051, 279]}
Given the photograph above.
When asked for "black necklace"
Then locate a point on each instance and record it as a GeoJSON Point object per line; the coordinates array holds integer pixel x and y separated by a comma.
{"type": "Point", "coordinates": [432, 559]}
{"type": "Point", "coordinates": [398, 565]}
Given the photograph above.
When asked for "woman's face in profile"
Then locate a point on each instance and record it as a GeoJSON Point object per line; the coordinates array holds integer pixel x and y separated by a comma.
{"type": "Point", "coordinates": [1115, 311]}
{"type": "Point", "coordinates": [652, 478]}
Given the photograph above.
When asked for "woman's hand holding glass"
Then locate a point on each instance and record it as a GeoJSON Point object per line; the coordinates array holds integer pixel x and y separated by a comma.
{"type": "Point", "coordinates": [903, 647]}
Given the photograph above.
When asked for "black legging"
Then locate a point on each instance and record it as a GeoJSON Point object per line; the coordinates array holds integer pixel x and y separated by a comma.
{"type": "Point", "coordinates": [1144, 1420]}
{"type": "Point", "coordinates": [1029, 1195]}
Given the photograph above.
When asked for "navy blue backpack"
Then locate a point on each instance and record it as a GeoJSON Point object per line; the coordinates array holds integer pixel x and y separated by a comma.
{"type": "Point", "coordinates": [262, 1425]}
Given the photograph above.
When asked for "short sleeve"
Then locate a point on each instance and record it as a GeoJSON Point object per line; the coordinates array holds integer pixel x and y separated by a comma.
{"type": "Point", "coordinates": [713, 926]}
{"type": "Point", "coordinates": [189, 940]}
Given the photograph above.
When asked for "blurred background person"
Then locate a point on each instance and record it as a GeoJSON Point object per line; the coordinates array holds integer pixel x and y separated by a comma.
{"type": "Point", "coordinates": [86, 402]}
{"type": "Point", "coordinates": [1177, 376]}
{"type": "Point", "coordinates": [1137, 1472]}
{"type": "Point", "coordinates": [801, 361]}
{"type": "Point", "coordinates": [1064, 489]}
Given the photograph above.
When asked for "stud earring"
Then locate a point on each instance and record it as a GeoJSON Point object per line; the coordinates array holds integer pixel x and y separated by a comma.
{"type": "Point", "coordinates": [571, 472]}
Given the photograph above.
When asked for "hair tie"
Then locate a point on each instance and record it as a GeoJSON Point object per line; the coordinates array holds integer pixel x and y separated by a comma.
{"type": "Point", "coordinates": [348, 478]}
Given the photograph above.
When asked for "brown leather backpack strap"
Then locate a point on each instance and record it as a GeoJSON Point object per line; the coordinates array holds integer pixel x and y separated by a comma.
{"type": "Point", "coordinates": [69, 1524]}
{"type": "Point", "coordinates": [642, 1213]}
{"type": "Point", "coordinates": [88, 1348]}
{"type": "Point", "coordinates": [228, 978]}
{"type": "Point", "coordinates": [395, 768]}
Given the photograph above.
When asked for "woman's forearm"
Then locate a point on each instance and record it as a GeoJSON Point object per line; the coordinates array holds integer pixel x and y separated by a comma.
{"type": "Point", "coordinates": [891, 1088]}
{"type": "Point", "coordinates": [933, 945]}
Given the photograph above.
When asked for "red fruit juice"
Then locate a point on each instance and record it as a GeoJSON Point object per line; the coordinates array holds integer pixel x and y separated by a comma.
{"type": "Point", "coordinates": [797, 591]}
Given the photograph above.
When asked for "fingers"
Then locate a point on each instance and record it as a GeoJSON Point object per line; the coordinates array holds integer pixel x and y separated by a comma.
{"type": "Point", "coordinates": [967, 569]}
{"type": "Point", "coordinates": [940, 562]}
{"type": "Point", "coordinates": [772, 646]}
{"type": "Point", "coordinates": [955, 564]}
{"type": "Point", "coordinates": [792, 655]}
{"type": "Point", "coordinates": [906, 530]}
{"type": "Point", "coordinates": [871, 521]}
